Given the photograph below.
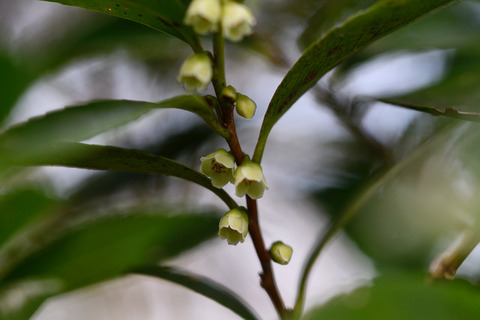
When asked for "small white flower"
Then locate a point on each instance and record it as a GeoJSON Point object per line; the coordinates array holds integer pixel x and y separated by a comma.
{"type": "Point", "coordinates": [245, 106]}
{"type": "Point", "coordinates": [249, 179]}
{"type": "Point", "coordinates": [237, 21]}
{"type": "Point", "coordinates": [196, 72]}
{"type": "Point", "coordinates": [234, 226]}
{"type": "Point", "coordinates": [219, 167]}
{"type": "Point", "coordinates": [281, 253]}
{"type": "Point", "coordinates": [203, 15]}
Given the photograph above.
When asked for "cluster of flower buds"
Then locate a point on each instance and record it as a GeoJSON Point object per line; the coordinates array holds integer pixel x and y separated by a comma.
{"type": "Point", "coordinates": [235, 19]}
{"type": "Point", "coordinates": [248, 177]}
{"type": "Point", "coordinates": [206, 16]}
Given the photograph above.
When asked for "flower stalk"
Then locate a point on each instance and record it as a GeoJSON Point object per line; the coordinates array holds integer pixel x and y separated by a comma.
{"type": "Point", "coordinates": [225, 113]}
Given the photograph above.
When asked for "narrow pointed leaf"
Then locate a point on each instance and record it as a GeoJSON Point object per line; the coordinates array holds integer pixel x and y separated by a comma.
{"type": "Point", "coordinates": [83, 122]}
{"type": "Point", "coordinates": [329, 14]}
{"type": "Point", "coordinates": [162, 15]}
{"type": "Point", "coordinates": [173, 145]}
{"type": "Point", "coordinates": [338, 44]}
{"type": "Point", "coordinates": [447, 112]}
{"type": "Point", "coordinates": [203, 286]}
{"type": "Point", "coordinates": [96, 157]}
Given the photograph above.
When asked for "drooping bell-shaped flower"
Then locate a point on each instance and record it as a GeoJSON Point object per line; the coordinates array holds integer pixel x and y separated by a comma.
{"type": "Point", "coordinates": [203, 16]}
{"type": "Point", "coordinates": [196, 72]}
{"type": "Point", "coordinates": [249, 179]}
{"type": "Point", "coordinates": [234, 226]}
{"type": "Point", "coordinates": [281, 253]}
{"type": "Point", "coordinates": [237, 21]}
{"type": "Point", "coordinates": [219, 166]}
{"type": "Point", "coordinates": [245, 106]}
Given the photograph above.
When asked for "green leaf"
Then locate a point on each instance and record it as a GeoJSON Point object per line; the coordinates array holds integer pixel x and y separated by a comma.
{"type": "Point", "coordinates": [438, 31]}
{"type": "Point", "coordinates": [78, 123]}
{"type": "Point", "coordinates": [94, 157]}
{"type": "Point", "coordinates": [404, 296]}
{"type": "Point", "coordinates": [329, 14]}
{"type": "Point", "coordinates": [337, 45]}
{"type": "Point", "coordinates": [201, 285]}
{"type": "Point", "coordinates": [102, 249]}
{"type": "Point", "coordinates": [20, 208]}
{"type": "Point", "coordinates": [162, 15]}
{"type": "Point", "coordinates": [14, 80]}
{"type": "Point", "coordinates": [447, 112]}
{"type": "Point", "coordinates": [174, 145]}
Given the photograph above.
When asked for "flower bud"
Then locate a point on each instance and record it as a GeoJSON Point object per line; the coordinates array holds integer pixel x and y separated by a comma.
{"type": "Point", "coordinates": [203, 15]}
{"type": "Point", "coordinates": [249, 179]}
{"type": "Point", "coordinates": [234, 226]}
{"type": "Point", "coordinates": [237, 21]}
{"type": "Point", "coordinates": [219, 167]}
{"type": "Point", "coordinates": [281, 253]}
{"type": "Point", "coordinates": [196, 72]}
{"type": "Point", "coordinates": [245, 106]}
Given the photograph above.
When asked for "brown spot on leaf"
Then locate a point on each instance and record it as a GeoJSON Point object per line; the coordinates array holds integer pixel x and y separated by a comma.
{"type": "Point", "coordinates": [109, 9]}
{"type": "Point", "coordinates": [166, 23]}
{"type": "Point", "coordinates": [312, 75]}
{"type": "Point", "coordinates": [336, 49]}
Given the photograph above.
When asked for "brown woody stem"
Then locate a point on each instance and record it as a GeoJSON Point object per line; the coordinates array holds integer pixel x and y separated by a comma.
{"type": "Point", "coordinates": [267, 278]}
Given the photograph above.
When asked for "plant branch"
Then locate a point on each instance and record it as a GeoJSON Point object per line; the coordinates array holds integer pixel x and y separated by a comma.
{"type": "Point", "coordinates": [267, 277]}
{"type": "Point", "coordinates": [446, 265]}
{"type": "Point", "coordinates": [225, 112]}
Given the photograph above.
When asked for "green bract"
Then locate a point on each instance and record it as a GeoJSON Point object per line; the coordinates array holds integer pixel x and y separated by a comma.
{"type": "Point", "coordinates": [249, 179]}
{"type": "Point", "coordinates": [281, 253]}
{"type": "Point", "coordinates": [233, 226]}
{"type": "Point", "coordinates": [237, 21]}
{"type": "Point", "coordinates": [219, 167]}
{"type": "Point", "coordinates": [203, 16]}
{"type": "Point", "coordinates": [196, 72]}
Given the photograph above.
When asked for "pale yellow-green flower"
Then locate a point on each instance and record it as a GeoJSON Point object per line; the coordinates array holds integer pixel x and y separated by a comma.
{"type": "Point", "coordinates": [196, 72]}
{"type": "Point", "coordinates": [245, 106]}
{"type": "Point", "coordinates": [219, 166]}
{"type": "Point", "coordinates": [249, 179]}
{"type": "Point", "coordinates": [204, 16]}
{"type": "Point", "coordinates": [281, 253]}
{"type": "Point", "coordinates": [237, 21]}
{"type": "Point", "coordinates": [234, 226]}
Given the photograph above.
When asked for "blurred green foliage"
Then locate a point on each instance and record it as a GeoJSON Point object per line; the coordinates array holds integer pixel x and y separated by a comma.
{"type": "Point", "coordinates": [414, 192]}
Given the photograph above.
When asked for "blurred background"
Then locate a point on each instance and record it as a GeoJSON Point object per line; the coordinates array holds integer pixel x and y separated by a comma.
{"type": "Point", "coordinates": [415, 176]}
